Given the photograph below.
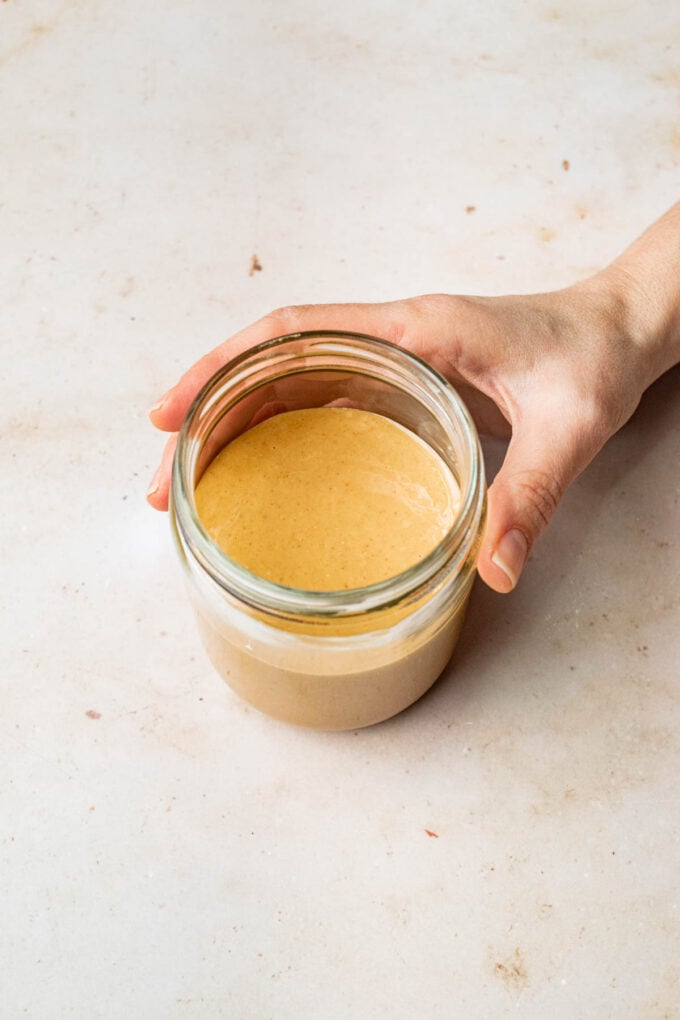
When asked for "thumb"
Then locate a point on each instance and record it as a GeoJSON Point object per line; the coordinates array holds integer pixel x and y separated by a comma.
{"type": "Point", "coordinates": [541, 462]}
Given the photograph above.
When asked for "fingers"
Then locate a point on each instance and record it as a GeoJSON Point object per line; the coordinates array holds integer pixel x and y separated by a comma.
{"type": "Point", "coordinates": [542, 460]}
{"type": "Point", "coordinates": [169, 413]}
{"type": "Point", "coordinates": [159, 488]}
{"type": "Point", "coordinates": [379, 320]}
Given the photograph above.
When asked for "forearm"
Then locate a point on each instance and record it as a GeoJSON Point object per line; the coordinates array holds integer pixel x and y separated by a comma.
{"type": "Point", "coordinates": [645, 282]}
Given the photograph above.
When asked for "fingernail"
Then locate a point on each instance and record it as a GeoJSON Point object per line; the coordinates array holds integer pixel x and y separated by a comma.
{"type": "Point", "coordinates": [158, 405]}
{"type": "Point", "coordinates": [154, 485]}
{"type": "Point", "coordinates": [510, 555]}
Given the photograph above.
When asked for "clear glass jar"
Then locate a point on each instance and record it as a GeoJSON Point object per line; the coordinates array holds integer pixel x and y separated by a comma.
{"type": "Point", "coordinates": [331, 660]}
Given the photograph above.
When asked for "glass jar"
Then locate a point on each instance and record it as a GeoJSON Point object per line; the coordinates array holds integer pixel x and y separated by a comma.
{"type": "Point", "coordinates": [341, 659]}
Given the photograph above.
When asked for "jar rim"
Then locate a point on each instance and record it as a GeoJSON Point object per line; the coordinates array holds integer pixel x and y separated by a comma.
{"type": "Point", "coordinates": [194, 540]}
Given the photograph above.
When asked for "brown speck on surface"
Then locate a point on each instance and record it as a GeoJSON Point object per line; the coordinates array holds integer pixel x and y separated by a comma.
{"type": "Point", "coordinates": [431, 834]}
{"type": "Point", "coordinates": [255, 266]}
{"type": "Point", "coordinates": [512, 972]}
{"type": "Point", "coordinates": [565, 164]}
{"type": "Point", "coordinates": [91, 807]}
{"type": "Point", "coordinates": [127, 286]}
{"type": "Point", "coordinates": [547, 234]}
{"type": "Point", "coordinates": [470, 209]}
{"type": "Point", "coordinates": [91, 714]}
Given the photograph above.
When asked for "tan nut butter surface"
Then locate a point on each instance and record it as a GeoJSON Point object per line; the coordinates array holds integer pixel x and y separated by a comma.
{"type": "Point", "coordinates": [329, 499]}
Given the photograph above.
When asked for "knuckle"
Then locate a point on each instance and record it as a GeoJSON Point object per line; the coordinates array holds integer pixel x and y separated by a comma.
{"type": "Point", "coordinates": [285, 319]}
{"type": "Point", "coordinates": [435, 307]}
{"type": "Point", "coordinates": [541, 494]}
{"type": "Point", "coordinates": [394, 331]}
{"type": "Point", "coordinates": [410, 322]}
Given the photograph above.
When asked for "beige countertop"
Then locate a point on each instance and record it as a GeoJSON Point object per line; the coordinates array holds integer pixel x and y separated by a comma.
{"type": "Point", "coordinates": [166, 852]}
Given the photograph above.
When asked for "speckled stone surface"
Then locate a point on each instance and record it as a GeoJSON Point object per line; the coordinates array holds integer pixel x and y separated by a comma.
{"type": "Point", "coordinates": [164, 851]}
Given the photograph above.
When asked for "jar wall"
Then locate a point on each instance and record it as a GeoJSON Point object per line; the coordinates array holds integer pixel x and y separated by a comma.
{"type": "Point", "coordinates": [329, 660]}
{"type": "Point", "coordinates": [333, 684]}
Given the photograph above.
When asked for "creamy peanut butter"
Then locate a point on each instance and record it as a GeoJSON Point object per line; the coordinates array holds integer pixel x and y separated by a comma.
{"type": "Point", "coordinates": [331, 499]}
{"type": "Point", "coordinates": [326, 499]}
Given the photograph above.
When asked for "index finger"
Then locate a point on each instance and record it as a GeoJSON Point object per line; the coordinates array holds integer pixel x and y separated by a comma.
{"type": "Point", "coordinates": [378, 319]}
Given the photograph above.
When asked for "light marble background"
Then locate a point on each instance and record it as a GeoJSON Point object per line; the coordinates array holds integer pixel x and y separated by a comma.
{"type": "Point", "coordinates": [179, 856]}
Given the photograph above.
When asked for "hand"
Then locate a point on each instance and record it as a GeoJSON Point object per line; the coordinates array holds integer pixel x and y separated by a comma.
{"type": "Point", "coordinates": [560, 372]}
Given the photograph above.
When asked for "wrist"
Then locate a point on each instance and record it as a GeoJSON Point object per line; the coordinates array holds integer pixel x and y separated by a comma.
{"type": "Point", "coordinates": [642, 313]}
{"type": "Point", "coordinates": [646, 279]}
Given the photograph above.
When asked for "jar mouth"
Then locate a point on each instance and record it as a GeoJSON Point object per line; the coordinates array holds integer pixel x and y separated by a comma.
{"type": "Point", "coordinates": [297, 354]}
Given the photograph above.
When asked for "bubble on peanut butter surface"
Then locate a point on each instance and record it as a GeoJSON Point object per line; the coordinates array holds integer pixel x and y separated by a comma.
{"type": "Point", "coordinates": [327, 499]}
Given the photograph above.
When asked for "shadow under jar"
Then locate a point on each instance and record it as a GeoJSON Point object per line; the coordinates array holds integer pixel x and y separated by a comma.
{"type": "Point", "coordinates": [341, 659]}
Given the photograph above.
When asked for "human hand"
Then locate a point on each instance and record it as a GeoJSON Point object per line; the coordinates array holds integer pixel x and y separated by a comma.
{"type": "Point", "coordinates": [560, 372]}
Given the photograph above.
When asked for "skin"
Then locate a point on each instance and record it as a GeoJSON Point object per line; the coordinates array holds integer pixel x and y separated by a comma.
{"type": "Point", "coordinates": [559, 373]}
